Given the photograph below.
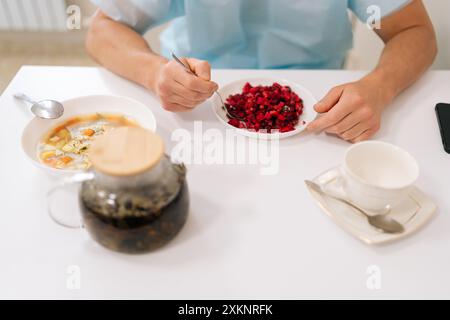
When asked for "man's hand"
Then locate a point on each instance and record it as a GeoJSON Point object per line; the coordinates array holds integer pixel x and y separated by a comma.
{"type": "Point", "coordinates": [122, 50]}
{"type": "Point", "coordinates": [181, 91]}
{"type": "Point", "coordinates": [351, 111]}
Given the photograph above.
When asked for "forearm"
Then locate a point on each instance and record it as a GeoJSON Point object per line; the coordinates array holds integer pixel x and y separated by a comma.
{"type": "Point", "coordinates": [123, 51]}
{"type": "Point", "coordinates": [404, 59]}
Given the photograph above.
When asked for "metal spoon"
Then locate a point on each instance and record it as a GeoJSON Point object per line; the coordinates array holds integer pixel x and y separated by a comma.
{"type": "Point", "coordinates": [381, 221]}
{"type": "Point", "coordinates": [188, 69]}
{"type": "Point", "coordinates": [45, 109]}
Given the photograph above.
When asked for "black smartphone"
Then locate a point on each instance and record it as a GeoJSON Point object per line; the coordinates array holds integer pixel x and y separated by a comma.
{"type": "Point", "coordinates": [443, 116]}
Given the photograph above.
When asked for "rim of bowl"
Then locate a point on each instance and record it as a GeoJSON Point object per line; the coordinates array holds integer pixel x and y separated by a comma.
{"type": "Point", "coordinates": [55, 171]}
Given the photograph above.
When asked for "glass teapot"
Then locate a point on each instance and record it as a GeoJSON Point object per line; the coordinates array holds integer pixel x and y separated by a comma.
{"type": "Point", "coordinates": [134, 199]}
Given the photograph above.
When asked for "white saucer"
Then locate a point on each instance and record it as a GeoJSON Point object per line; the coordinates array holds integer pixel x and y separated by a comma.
{"type": "Point", "coordinates": [413, 213]}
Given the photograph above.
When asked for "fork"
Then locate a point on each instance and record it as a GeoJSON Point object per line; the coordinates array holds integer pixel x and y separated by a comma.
{"type": "Point", "coordinates": [189, 70]}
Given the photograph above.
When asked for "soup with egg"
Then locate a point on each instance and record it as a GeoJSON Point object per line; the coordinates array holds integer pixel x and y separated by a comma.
{"type": "Point", "coordinates": [67, 145]}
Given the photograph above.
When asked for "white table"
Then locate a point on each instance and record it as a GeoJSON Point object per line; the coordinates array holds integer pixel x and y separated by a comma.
{"type": "Point", "coordinates": [248, 235]}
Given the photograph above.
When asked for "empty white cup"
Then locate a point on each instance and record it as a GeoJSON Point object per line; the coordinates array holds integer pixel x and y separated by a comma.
{"type": "Point", "coordinates": [377, 174]}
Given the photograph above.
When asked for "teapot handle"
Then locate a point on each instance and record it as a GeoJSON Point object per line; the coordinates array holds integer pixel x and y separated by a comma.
{"type": "Point", "coordinates": [75, 179]}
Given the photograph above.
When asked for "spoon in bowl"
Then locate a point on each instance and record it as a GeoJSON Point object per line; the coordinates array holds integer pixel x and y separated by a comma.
{"type": "Point", "coordinates": [45, 109]}
{"type": "Point", "coordinates": [380, 221]}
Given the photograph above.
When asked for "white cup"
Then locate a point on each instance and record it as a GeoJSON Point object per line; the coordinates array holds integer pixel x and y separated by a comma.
{"type": "Point", "coordinates": [377, 174]}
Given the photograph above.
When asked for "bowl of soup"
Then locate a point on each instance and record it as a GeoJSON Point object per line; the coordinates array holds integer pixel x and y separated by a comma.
{"type": "Point", "coordinates": [61, 146]}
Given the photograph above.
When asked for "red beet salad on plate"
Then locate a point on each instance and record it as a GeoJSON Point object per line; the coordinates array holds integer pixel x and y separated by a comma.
{"type": "Point", "coordinates": [265, 108]}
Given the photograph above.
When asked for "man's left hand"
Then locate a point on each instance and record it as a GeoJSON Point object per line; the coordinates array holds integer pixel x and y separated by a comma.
{"type": "Point", "coordinates": [351, 111]}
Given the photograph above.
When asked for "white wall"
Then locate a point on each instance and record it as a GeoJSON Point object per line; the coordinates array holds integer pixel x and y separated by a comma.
{"type": "Point", "coordinates": [367, 46]}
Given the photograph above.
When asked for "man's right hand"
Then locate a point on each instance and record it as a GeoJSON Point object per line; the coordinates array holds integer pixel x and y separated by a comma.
{"type": "Point", "coordinates": [125, 52]}
{"type": "Point", "coordinates": [181, 91]}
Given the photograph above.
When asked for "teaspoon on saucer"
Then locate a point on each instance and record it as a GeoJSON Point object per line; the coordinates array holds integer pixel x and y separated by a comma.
{"type": "Point", "coordinates": [381, 221]}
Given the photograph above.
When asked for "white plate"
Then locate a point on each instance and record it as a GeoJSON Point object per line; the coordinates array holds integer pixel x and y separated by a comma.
{"type": "Point", "coordinates": [236, 87]}
{"type": "Point", "coordinates": [413, 213]}
{"type": "Point", "coordinates": [37, 128]}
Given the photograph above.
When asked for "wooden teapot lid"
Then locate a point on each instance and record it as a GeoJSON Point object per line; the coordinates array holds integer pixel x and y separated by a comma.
{"type": "Point", "coordinates": [126, 151]}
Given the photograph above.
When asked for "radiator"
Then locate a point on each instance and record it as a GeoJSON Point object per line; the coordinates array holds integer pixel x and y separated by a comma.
{"type": "Point", "coordinates": [33, 15]}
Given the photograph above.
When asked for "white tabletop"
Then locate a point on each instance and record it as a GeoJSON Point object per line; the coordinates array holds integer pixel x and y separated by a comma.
{"type": "Point", "coordinates": [248, 235]}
